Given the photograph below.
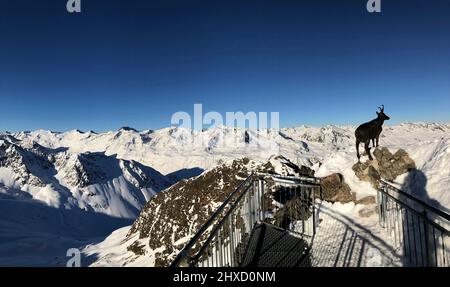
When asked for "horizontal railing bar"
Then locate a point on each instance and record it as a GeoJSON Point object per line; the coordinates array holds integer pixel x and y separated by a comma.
{"type": "Point", "coordinates": [417, 213]}
{"type": "Point", "coordinates": [294, 179]}
{"type": "Point", "coordinates": [298, 183]}
{"type": "Point", "coordinates": [419, 201]}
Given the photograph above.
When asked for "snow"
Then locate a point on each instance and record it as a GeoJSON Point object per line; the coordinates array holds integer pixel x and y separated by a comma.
{"type": "Point", "coordinates": [112, 252]}
{"type": "Point", "coordinates": [48, 195]}
{"type": "Point", "coordinates": [7, 178]}
{"type": "Point", "coordinates": [344, 239]}
{"type": "Point", "coordinates": [35, 234]}
{"type": "Point", "coordinates": [326, 149]}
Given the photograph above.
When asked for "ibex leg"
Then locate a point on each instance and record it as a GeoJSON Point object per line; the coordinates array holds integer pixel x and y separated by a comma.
{"type": "Point", "coordinates": [366, 147]}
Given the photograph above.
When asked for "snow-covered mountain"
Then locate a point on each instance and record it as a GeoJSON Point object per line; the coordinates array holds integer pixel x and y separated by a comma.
{"type": "Point", "coordinates": [87, 181]}
{"type": "Point", "coordinates": [171, 149]}
{"type": "Point", "coordinates": [325, 149]}
{"type": "Point", "coordinates": [115, 173]}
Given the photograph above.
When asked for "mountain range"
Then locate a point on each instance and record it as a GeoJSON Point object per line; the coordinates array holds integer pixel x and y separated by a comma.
{"type": "Point", "coordinates": [60, 186]}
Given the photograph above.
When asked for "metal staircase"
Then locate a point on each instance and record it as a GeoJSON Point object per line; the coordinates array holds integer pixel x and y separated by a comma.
{"type": "Point", "coordinates": [255, 227]}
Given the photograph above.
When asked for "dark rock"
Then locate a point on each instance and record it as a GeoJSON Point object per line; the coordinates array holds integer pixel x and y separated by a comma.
{"type": "Point", "coordinates": [136, 248]}
{"type": "Point", "coordinates": [128, 129]}
{"type": "Point", "coordinates": [334, 189]}
{"type": "Point", "coordinates": [392, 165]}
{"type": "Point", "coordinates": [367, 212]}
{"type": "Point", "coordinates": [385, 166]}
{"type": "Point", "coordinates": [368, 200]}
{"type": "Point", "coordinates": [367, 172]}
{"type": "Point", "coordinates": [294, 209]}
{"type": "Point", "coordinates": [247, 137]}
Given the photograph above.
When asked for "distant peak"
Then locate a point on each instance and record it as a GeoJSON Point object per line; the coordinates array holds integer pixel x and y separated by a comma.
{"type": "Point", "coordinates": [77, 131]}
{"type": "Point", "coordinates": [128, 129]}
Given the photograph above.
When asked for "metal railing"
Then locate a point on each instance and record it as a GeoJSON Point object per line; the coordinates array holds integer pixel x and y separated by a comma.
{"type": "Point", "coordinates": [419, 229]}
{"type": "Point", "coordinates": [285, 202]}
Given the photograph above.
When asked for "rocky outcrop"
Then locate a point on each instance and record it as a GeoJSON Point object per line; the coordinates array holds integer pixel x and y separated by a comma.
{"type": "Point", "coordinates": [292, 210]}
{"type": "Point", "coordinates": [174, 215]}
{"type": "Point", "coordinates": [369, 206]}
{"type": "Point", "coordinates": [334, 189]}
{"type": "Point", "coordinates": [183, 208]}
{"type": "Point", "coordinates": [368, 200]}
{"type": "Point", "coordinates": [25, 165]}
{"type": "Point", "coordinates": [392, 165]}
{"type": "Point", "coordinates": [367, 171]}
{"type": "Point", "coordinates": [281, 165]}
{"type": "Point", "coordinates": [367, 212]}
{"type": "Point", "coordinates": [80, 170]}
{"type": "Point", "coordinates": [385, 166]}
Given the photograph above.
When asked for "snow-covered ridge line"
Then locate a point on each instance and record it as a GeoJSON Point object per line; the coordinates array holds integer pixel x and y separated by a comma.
{"type": "Point", "coordinates": [90, 181]}
{"type": "Point", "coordinates": [172, 149]}
{"type": "Point", "coordinates": [149, 131]}
{"type": "Point", "coordinates": [330, 148]}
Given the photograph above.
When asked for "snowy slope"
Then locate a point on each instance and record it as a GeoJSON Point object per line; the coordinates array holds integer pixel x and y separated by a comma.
{"type": "Point", "coordinates": [346, 239]}
{"type": "Point", "coordinates": [87, 181]}
{"type": "Point", "coordinates": [35, 234]}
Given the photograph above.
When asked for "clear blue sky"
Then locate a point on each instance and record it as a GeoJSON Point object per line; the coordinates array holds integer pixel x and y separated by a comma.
{"type": "Point", "coordinates": [135, 63]}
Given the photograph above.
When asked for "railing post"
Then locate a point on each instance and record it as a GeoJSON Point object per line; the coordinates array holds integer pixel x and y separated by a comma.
{"type": "Point", "coordinates": [250, 208]}
{"type": "Point", "coordinates": [261, 191]}
{"type": "Point", "coordinates": [425, 229]}
{"type": "Point", "coordinates": [379, 205]}
{"type": "Point", "coordinates": [382, 206]}
{"type": "Point", "coordinates": [220, 249]}
{"type": "Point", "coordinates": [232, 259]}
{"type": "Point", "coordinates": [428, 256]}
{"type": "Point", "coordinates": [303, 198]}
{"type": "Point", "coordinates": [314, 210]}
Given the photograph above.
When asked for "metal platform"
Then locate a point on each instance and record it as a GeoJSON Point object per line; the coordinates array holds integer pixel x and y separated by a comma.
{"type": "Point", "coordinates": [273, 247]}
